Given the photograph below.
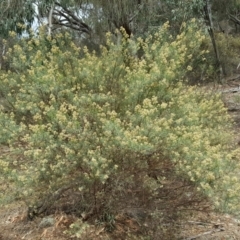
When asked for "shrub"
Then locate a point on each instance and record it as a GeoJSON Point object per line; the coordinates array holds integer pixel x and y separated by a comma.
{"type": "Point", "coordinates": [228, 46]}
{"type": "Point", "coordinates": [113, 123]}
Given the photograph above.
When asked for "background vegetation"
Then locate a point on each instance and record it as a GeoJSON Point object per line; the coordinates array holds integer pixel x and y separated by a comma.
{"type": "Point", "coordinates": [88, 21]}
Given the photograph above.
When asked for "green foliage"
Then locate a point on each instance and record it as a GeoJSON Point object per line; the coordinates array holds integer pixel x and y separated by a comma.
{"type": "Point", "coordinates": [107, 121]}
{"type": "Point", "coordinates": [228, 50]}
{"type": "Point", "coordinates": [184, 10]}
{"type": "Point", "coordinates": [79, 229]}
{"type": "Point", "coordinates": [15, 12]}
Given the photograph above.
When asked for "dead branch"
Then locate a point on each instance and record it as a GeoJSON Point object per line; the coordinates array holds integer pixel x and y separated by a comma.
{"type": "Point", "coordinates": [69, 20]}
{"type": "Point", "coordinates": [47, 202]}
{"type": "Point", "coordinates": [234, 19]}
{"type": "Point", "coordinates": [232, 90]}
{"type": "Point", "coordinates": [206, 223]}
{"type": "Point", "coordinates": [206, 233]}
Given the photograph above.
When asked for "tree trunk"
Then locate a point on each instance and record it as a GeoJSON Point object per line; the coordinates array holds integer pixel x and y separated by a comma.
{"type": "Point", "coordinates": [209, 23]}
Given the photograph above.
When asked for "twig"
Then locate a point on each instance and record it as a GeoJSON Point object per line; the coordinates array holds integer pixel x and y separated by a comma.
{"type": "Point", "coordinates": [205, 223]}
{"type": "Point", "coordinates": [232, 90]}
{"type": "Point", "coordinates": [206, 233]}
{"type": "Point", "coordinates": [48, 201]}
{"type": "Point", "coordinates": [233, 77]}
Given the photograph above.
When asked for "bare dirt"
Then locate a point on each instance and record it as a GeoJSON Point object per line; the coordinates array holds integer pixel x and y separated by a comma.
{"type": "Point", "coordinates": [14, 224]}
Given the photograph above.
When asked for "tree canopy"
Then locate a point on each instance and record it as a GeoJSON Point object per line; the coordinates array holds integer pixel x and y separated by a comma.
{"type": "Point", "coordinates": [90, 20]}
{"type": "Point", "coordinates": [99, 16]}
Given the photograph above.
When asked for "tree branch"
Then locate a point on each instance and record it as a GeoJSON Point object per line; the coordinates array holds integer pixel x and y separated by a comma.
{"type": "Point", "coordinates": [50, 18]}
{"type": "Point", "coordinates": [71, 20]}
{"type": "Point", "coordinates": [234, 19]}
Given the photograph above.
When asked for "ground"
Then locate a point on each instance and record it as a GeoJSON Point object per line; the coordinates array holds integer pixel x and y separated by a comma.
{"type": "Point", "coordinates": [14, 224]}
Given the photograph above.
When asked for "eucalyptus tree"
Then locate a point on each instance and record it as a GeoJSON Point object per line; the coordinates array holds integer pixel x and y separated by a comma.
{"type": "Point", "coordinates": [83, 16]}
{"type": "Point", "coordinates": [98, 16]}
{"type": "Point", "coordinates": [13, 13]}
{"type": "Point", "coordinates": [87, 20]}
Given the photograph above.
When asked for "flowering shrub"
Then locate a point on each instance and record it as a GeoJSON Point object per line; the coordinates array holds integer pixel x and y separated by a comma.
{"type": "Point", "coordinates": [114, 118]}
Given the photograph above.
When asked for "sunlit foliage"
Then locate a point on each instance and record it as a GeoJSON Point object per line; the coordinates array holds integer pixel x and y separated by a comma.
{"type": "Point", "coordinates": [96, 120]}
